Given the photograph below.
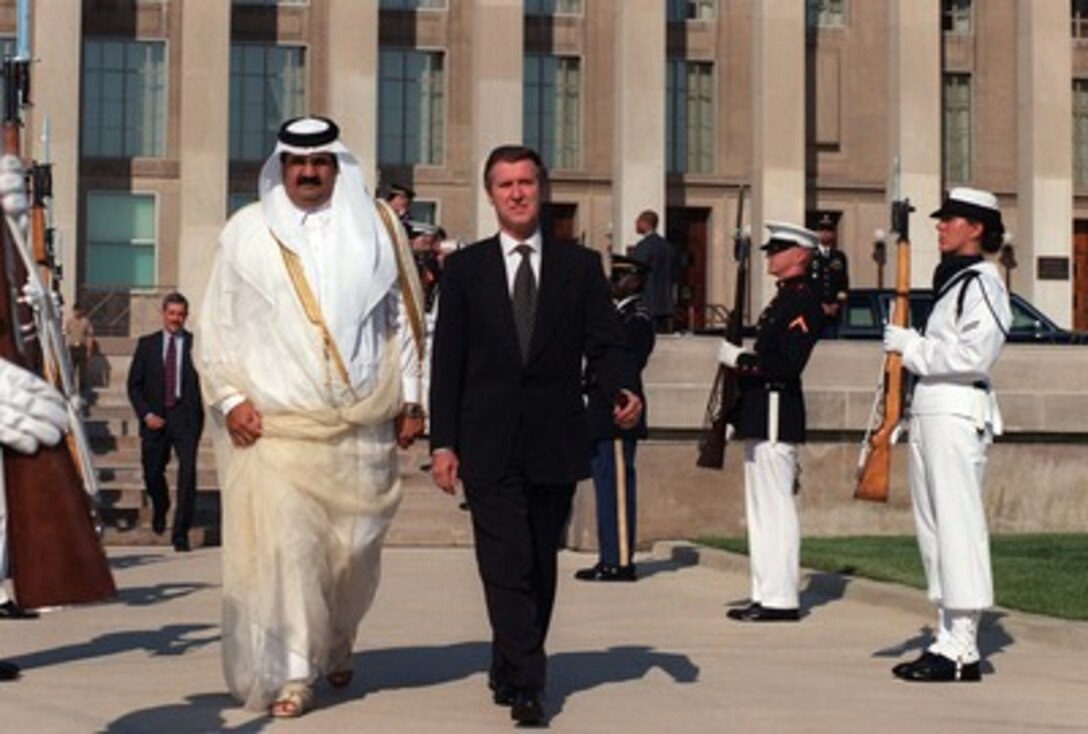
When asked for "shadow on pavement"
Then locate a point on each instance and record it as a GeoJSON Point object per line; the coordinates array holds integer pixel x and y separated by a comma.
{"type": "Point", "coordinates": [173, 639]}
{"type": "Point", "coordinates": [199, 714]}
{"type": "Point", "coordinates": [119, 563]}
{"type": "Point", "coordinates": [574, 672]}
{"type": "Point", "coordinates": [143, 596]}
{"type": "Point", "coordinates": [822, 588]}
{"type": "Point", "coordinates": [416, 667]}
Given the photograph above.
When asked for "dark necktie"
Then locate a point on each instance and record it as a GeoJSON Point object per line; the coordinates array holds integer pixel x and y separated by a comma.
{"type": "Point", "coordinates": [171, 366]}
{"type": "Point", "coordinates": [524, 300]}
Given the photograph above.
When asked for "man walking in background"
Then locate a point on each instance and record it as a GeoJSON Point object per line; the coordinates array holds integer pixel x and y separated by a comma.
{"type": "Point", "coordinates": [164, 390]}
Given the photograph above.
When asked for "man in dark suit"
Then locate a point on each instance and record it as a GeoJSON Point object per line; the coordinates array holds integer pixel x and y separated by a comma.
{"type": "Point", "coordinates": [507, 414]}
{"type": "Point", "coordinates": [164, 391]}
{"type": "Point", "coordinates": [656, 253]}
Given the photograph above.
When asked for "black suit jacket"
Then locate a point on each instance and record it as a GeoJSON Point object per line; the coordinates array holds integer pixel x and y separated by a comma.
{"type": "Point", "coordinates": [497, 412]}
{"type": "Point", "coordinates": [147, 381]}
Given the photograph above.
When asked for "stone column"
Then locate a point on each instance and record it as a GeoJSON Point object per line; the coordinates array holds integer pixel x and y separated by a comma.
{"type": "Point", "coordinates": [778, 126]}
{"type": "Point", "coordinates": [914, 125]}
{"type": "Point", "coordinates": [1044, 145]}
{"type": "Point", "coordinates": [638, 152]}
{"type": "Point", "coordinates": [56, 47]}
{"type": "Point", "coordinates": [353, 79]}
{"type": "Point", "coordinates": [497, 91]}
{"type": "Point", "coordinates": [204, 138]}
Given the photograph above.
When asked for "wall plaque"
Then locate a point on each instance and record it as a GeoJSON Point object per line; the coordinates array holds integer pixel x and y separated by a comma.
{"type": "Point", "coordinates": [1052, 268]}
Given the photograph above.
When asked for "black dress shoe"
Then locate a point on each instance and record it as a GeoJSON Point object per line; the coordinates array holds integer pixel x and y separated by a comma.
{"type": "Point", "coordinates": [8, 671]}
{"type": "Point", "coordinates": [760, 613]}
{"type": "Point", "coordinates": [934, 668]}
{"type": "Point", "coordinates": [182, 545]}
{"type": "Point", "coordinates": [527, 709]}
{"type": "Point", "coordinates": [11, 610]}
{"type": "Point", "coordinates": [606, 572]}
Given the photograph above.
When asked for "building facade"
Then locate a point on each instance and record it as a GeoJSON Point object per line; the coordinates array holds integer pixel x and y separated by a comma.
{"type": "Point", "coordinates": [160, 113]}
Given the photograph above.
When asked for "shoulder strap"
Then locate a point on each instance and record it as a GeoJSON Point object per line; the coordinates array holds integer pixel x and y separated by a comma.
{"type": "Point", "coordinates": [407, 276]}
{"type": "Point", "coordinates": [969, 276]}
{"type": "Point", "coordinates": [311, 308]}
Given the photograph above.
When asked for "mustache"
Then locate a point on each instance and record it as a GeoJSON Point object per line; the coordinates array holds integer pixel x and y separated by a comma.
{"type": "Point", "coordinates": [308, 181]}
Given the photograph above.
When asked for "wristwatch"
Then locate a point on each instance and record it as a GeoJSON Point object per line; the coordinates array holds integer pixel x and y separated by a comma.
{"type": "Point", "coordinates": [414, 410]}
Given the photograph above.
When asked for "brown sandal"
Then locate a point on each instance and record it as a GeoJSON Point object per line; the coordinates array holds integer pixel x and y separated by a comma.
{"type": "Point", "coordinates": [294, 700]}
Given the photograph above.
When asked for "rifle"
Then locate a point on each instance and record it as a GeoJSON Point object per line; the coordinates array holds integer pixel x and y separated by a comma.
{"type": "Point", "coordinates": [56, 556]}
{"type": "Point", "coordinates": [724, 392]}
{"type": "Point", "coordinates": [875, 460]}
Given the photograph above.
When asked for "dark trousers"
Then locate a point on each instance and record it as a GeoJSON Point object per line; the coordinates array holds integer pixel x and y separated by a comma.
{"type": "Point", "coordinates": [518, 526]}
{"type": "Point", "coordinates": [605, 484]}
{"type": "Point", "coordinates": [155, 448]}
{"type": "Point", "coordinates": [79, 357]}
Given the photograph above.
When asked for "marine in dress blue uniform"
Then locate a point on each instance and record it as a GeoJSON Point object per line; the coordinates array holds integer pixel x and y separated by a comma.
{"type": "Point", "coordinates": [770, 417]}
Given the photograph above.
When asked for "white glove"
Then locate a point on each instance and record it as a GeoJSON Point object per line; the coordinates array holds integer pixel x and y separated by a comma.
{"type": "Point", "coordinates": [898, 339]}
{"type": "Point", "coordinates": [32, 412]}
{"type": "Point", "coordinates": [728, 353]}
{"type": "Point", "coordinates": [12, 185]}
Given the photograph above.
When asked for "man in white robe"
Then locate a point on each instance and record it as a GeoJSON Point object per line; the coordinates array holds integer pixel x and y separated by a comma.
{"type": "Point", "coordinates": [309, 351]}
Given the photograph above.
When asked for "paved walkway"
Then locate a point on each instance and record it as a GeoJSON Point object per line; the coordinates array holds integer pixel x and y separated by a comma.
{"type": "Point", "coordinates": [656, 656]}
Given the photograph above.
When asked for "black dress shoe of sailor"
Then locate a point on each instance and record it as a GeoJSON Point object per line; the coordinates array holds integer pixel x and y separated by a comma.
{"type": "Point", "coordinates": [527, 709]}
{"type": "Point", "coordinates": [606, 572]}
{"type": "Point", "coordinates": [760, 613]}
{"type": "Point", "coordinates": [11, 610]}
{"type": "Point", "coordinates": [934, 668]}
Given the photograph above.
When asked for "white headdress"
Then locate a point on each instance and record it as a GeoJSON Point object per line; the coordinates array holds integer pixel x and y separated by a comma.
{"type": "Point", "coordinates": [359, 266]}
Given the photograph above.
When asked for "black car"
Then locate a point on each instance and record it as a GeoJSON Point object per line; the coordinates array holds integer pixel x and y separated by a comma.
{"type": "Point", "coordinates": [867, 311]}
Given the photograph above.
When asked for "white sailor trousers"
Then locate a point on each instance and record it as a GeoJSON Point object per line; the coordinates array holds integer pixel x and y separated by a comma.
{"type": "Point", "coordinates": [947, 460]}
{"type": "Point", "coordinates": [774, 533]}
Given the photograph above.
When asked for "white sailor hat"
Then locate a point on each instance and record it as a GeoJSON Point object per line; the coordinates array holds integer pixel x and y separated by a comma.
{"type": "Point", "coordinates": [785, 235]}
{"type": "Point", "coordinates": [974, 204]}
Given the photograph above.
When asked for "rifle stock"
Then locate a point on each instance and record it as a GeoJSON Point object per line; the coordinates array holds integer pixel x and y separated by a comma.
{"type": "Point", "coordinates": [724, 392]}
{"type": "Point", "coordinates": [874, 463]}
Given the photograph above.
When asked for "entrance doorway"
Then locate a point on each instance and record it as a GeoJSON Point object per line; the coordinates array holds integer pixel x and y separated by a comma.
{"type": "Point", "coordinates": [688, 231]}
{"type": "Point", "coordinates": [1080, 274]}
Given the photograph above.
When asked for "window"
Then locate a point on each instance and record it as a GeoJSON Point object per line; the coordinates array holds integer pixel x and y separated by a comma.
{"type": "Point", "coordinates": [120, 239]}
{"type": "Point", "coordinates": [411, 103]}
{"type": "Point", "coordinates": [239, 199]}
{"type": "Point", "coordinates": [1080, 133]}
{"type": "Point", "coordinates": [689, 125]}
{"type": "Point", "coordinates": [412, 4]}
{"type": "Point", "coordinates": [553, 7]}
{"type": "Point", "coordinates": [956, 16]}
{"type": "Point", "coordinates": [267, 87]}
{"type": "Point", "coordinates": [681, 10]}
{"type": "Point", "coordinates": [957, 128]}
{"type": "Point", "coordinates": [825, 13]}
{"type": "Point", "coordinates": [124, 98]}
{"type": "Point", "coordinates": [1079, 17]}
{"type": "Point", "coordinates": [551, 114]}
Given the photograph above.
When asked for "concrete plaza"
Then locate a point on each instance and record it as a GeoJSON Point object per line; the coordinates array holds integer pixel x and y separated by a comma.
{"type": "Point", "coordinates": [655, 656]}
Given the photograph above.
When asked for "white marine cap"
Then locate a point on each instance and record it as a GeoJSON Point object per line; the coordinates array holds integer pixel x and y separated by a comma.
{"type": "Point", "coordinates": [785, 235]}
